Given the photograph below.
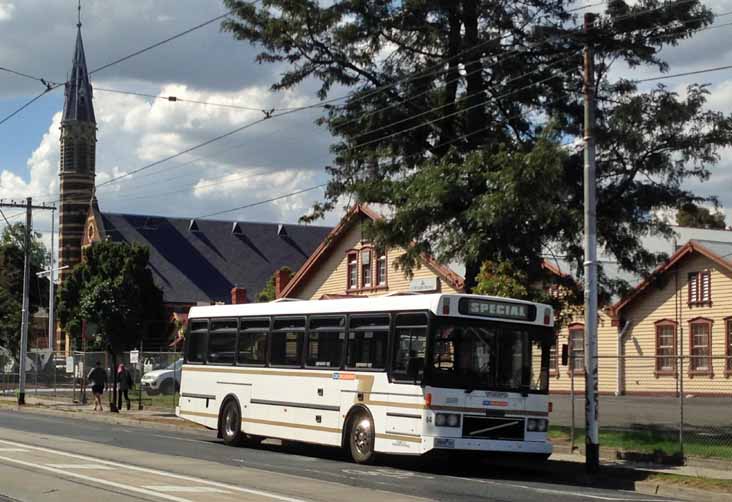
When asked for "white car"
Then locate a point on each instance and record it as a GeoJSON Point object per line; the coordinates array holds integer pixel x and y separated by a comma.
{"type": "Point", "coordinates": [165, 381]}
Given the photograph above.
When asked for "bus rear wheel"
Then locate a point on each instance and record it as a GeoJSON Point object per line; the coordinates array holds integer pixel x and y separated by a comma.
{"type": "Point", "coordinates": [361, 438]}
{"type": "Point", "coordinates": [231, 424]}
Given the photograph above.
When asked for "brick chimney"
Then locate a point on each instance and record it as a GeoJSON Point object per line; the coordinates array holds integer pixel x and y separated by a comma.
{"type": "Point", "coordinates": [282, 278]}
{"type": "Point", "coordinates": [238, 295]}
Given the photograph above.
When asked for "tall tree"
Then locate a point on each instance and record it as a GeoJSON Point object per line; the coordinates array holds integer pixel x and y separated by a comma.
{"type": "Point", "coordinates": [12, 262]}
{"type": "Point", "coordinates": [113, 288]}
{"type": "Point", "coordinates": [457, 110]}
{"type": "Point", "coordinates": [691, 215]}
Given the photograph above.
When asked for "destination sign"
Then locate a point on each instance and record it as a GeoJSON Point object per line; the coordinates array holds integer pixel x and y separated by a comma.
{"type": "Point", "coordinates": [494, 308]}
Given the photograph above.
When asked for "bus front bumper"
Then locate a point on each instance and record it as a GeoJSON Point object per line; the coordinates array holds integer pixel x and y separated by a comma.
{"type": "Point", "coordinates": [487, 445]}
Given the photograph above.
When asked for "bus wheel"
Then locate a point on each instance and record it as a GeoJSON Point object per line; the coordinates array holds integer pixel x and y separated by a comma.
{"type": "Point", "coordinates": [231, 424]}
{"type": "Point", "coordinates": [361, 438]}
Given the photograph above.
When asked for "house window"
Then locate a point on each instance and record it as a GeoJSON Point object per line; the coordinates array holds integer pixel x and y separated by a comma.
{"type": "Point", "coordinates": [577, 348]}
{"type": "Point", "coordinates": [665, 347]}
{"type": "Point", "coordinates": [700, 288]}
{"type": "Point", "coordinates": [352, 270]}
{"type": "Point", "coordinates": [728, 348]}
{"type": "Point", "coordinates": [700, 346]}
{"type": "Point", "coordinates": [366, 268]}
{"type": "Point", "coordinates": [553, 359]}
{"type": "Point", "coordinates": [381, 269]}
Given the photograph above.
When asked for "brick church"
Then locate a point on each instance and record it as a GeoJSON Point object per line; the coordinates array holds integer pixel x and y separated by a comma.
{"type": "Point", "coordinates": [193, 261]}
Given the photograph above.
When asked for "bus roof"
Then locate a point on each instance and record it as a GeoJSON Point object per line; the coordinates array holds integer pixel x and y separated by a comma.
{"type": "Point", "coordinates": [386, 303]}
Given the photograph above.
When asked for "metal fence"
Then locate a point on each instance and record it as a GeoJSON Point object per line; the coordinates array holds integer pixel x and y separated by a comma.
{"type": "Point", "coordinates": [668, 409]}
{"type": "Point", "coordinates": [58, 378]}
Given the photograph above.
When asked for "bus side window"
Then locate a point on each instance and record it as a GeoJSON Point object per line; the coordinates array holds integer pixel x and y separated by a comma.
{"type": "Point", "coordinates": [198, 341]}
{"type": "Point", "coordinates": [287, 341]}
{"type": "Point", "coordinates": [222, 341]}
{"type": "Point", "coordinates": [253, 341]}
{"type": "Point", "coordinates": [325, 342]}
{"type": "Point", "coordinates": [410, 347]}
{"type": "Point", "coordinates": [367, 342]}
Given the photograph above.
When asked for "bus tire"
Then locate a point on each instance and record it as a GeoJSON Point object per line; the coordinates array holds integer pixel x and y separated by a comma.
{"type": "Point", "coordinates": [230, 423]}
{"type": "Point", "coordinates": [361, 438]}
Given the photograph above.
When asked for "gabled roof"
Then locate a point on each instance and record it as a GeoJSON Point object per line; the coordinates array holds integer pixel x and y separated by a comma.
{"type": "Point", "coordinates": [681, 253]}
{"type": "Point", "coordinates": [78, 101]}
{"type": "Point", "coordinates": [204, 265]}
{"type": "Point", "coordinates": [361, 210]}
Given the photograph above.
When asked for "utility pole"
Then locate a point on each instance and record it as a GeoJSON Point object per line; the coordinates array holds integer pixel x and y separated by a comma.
{"type": "Point", "coordinates": [51, 292]}
{"type": "Point", "coordinates": [26, 301]}
{"type": "Point", "coordinates": [592, 441]}
{"type": "Point", "coordinates": [25, 313]}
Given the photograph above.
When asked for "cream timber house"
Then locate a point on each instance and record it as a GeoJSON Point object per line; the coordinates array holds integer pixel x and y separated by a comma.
{"type": "Point", "coordinates": [673, 328]}
{"type": "Point", "coordinates": [346, 265]}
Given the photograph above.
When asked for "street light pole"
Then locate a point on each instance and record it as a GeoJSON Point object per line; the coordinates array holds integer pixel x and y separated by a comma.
{"type": "Point", "coordinates": [592, 442]}
{"type": "Point", "coordinates": [51, 292]}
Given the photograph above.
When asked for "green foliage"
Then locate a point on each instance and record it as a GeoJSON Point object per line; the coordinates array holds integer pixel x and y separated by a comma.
{"type": "Point", "coordinates": [268, 292]}
{"type": "Point", "coordinates": [12, 262]}
{"type": "Point", "coordinates": [457, 111]}
{"type": "Point", "coordinates": [691, 215]}
{"type": "Point", "coordinates": [114, 289]}
{"type": "Point", "coordinates": [500, 279]}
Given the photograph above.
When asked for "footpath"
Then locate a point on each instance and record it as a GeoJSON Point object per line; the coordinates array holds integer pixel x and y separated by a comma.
{"type": "Point", "coordinates": [698, 480]}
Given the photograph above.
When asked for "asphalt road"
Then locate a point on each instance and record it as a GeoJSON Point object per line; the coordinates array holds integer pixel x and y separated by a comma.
{"type": "Point", "coordinates": [292, 472]}
{"type": "Point", "coordinates": [632, 412]}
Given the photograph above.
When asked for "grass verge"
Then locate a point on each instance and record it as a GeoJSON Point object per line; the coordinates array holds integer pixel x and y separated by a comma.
{"type": "Point", "coordinates": [653, 442]}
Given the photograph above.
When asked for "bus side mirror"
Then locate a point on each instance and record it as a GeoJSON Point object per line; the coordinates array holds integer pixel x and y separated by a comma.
{"type": "Point", "coordinates": [565, 354]}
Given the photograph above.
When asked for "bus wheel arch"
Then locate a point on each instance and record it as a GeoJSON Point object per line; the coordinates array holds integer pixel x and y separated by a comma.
{"type": "Point", "coordinates": [364, 454]}
{"type": "Point", "coordinates": [230, 411]}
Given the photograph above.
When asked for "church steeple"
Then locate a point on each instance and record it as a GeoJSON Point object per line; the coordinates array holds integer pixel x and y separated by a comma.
{"type": "Point", "coordinates": [78, 159]}
{"type": "Point", "coordinates": [78, 103]}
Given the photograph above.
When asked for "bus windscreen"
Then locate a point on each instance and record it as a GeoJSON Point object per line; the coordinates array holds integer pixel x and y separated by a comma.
{"type": "Point", "coordinates": [489, 356]}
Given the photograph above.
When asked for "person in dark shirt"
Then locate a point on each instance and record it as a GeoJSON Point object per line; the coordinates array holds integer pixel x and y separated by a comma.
{"type": "Point", "coordinates": [125, 385]}
{"type": "Point", "coordinates": [98, 378]}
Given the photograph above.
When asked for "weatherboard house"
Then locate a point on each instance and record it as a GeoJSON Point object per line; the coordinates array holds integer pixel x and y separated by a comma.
{"type": "Point", "coordinates": [193, 261]}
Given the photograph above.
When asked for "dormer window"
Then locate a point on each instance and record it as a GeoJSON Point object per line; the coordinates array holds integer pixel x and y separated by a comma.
{"type": "Point", "coordinates": [366, 268]}
{"type": "Point", "coordinates": [700, 288]}
{"type": "Point", "coordinates": [352, 270]}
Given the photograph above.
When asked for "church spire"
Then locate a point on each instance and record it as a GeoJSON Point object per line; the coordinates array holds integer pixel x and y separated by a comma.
{"type": "Point", "coordinates": [78, 103]}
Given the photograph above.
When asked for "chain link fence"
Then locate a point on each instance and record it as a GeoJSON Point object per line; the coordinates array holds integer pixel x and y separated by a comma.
{"type": "Point", "coordinates": [58, 378]}
{"type": "Point", "coordinates": [664, 409]}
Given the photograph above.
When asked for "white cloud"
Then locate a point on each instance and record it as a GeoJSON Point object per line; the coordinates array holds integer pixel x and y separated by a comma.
{"type": "Point", "coordinates": [6, 11]}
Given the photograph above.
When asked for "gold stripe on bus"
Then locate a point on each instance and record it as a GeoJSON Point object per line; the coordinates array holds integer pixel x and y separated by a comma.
{"type": "Point", "coordinates": [411, 406]}
{"type": "Point", "coordinates": [318, 428]}
{"type": "Point", "coordinates": [199, 414]}
{"type": "Point", "coordinates": [398, 437]}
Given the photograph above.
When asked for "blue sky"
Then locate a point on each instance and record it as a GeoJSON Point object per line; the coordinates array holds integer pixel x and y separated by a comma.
{"type": "Point", "coordinates": [276, 157]}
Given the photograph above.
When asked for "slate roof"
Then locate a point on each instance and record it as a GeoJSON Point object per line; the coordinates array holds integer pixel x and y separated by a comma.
{"type": "Point", "coordinates": [204, 265]}
{"type": "Point", "coordinates": [78, 103]}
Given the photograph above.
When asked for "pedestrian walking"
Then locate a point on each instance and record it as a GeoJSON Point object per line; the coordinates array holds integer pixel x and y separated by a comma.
{"type": "Point", "coordinates": [98, 377]}
{"type": "Point", "coordinates": [125, 385]}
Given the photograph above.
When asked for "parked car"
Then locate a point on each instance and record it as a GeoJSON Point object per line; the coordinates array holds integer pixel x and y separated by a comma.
{"type": "Point", "coordinates": [165, 381]}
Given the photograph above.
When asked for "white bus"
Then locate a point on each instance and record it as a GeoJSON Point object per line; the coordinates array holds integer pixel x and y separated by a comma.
{"type": "Point", "coordinates": [394, 374]}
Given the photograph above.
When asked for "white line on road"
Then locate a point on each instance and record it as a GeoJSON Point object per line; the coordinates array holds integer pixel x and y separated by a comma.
{"type": "Point", "coordinates": [584, 495]}
{"type": "Point", "coordinates": [184, 489]}
{"type": "Point", "coordinates": [182, 477]}
{"type": "Point", "coordinates": [80, 466]}
{"type": "Point", "coordinates": [14, 450]}
{"type": "Point", "coordinates": [96, 480]}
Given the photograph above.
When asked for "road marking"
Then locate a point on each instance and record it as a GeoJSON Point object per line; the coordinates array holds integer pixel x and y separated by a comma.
{"type": "Point", "coordinates": [18, 450]}
{"type": "Point", "coordinates": [96, 480]}
{"type": "Point", "coordinates": [584, 495]}
{"type": "Point", "coordinates": [184, 489]}
{"type": "Point", "coordinates": [182, 477]}
{"type": "Point", "coordinates": [80, 466]}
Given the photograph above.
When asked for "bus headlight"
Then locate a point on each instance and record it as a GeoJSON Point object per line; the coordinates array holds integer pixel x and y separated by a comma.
{"type": "Point", "coordinates": [447, 420]}
{"type": "Point", "coordinates": [536, 425]}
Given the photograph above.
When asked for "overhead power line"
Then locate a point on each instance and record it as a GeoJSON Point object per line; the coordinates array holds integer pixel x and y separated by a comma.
{"type": "Point", "coordinates": [685, 74]}
{"type": "Point", "coordinates": [176, 99]}
{"type": "Point", "coordinates": [259, 203]}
